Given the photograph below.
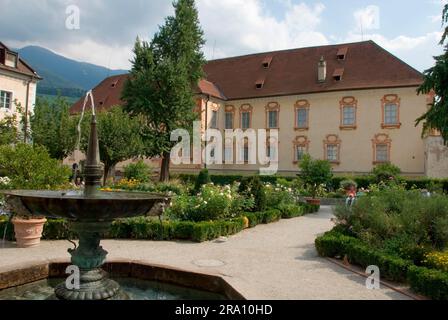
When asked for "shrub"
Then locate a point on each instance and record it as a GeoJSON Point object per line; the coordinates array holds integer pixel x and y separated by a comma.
{"type": "Point", "coordinates": [252, 187]}
{"type": "Point", "coordinates": [211, 203]}
{"type": "Point", "coordinates": [289, 211]}
{"type": "Point", "coordinates": [31, 167]}
{"type": "Point", "coordinates": [315, 173]}
{"type": "Point", "coordinates": [348, 184]}
{"type": "Point", "coordinates": [386, 172]}
{"type": "Point", "coordinates": [333, 244]}
{"type": "Point", "coordinates": [394, 213]}
{"type": "Point", "coordinates": [271, 215]}
{"type": "Point", "coordinates": [139, 171]}
{"type": "Point", "coordinates": [431, 283]}
{"type": "Point", "coordinates": [437, 260]}
{"type": "Point", "coordinates": [202, 179]}
{"type": "Point", "coordinates": [277, 195]}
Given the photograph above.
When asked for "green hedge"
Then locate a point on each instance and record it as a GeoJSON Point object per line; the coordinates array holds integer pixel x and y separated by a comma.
{"type": "Point", "coordinates": [431, 283]}
{"type": "Point", "coordinates": [362, 181]}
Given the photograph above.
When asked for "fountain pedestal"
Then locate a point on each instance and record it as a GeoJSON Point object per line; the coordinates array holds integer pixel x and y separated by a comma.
{"type": "Point", "coordinates": [89, 257]}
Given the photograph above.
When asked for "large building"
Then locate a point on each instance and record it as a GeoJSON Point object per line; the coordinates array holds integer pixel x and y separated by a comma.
{"type": "Point", "coordinates": [353, 104]}
{"type": "Point", "coordinates": [18, 83]}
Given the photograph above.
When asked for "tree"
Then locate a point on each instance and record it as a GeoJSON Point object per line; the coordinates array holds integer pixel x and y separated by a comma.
{"type": "Point", "coordinates": [436, 80]}
{"type": "Point", "coordinates": [315, 173]}
{"type": "Point", "coordinates": [54, 128]}
{"type": "Point", "coordinates": [162, 80]}
{"type": "Point", "coordinates": [118, 137]}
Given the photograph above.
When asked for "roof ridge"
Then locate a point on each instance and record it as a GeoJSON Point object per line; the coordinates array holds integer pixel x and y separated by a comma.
{"type": "Point", "coordinates": [292, 49]}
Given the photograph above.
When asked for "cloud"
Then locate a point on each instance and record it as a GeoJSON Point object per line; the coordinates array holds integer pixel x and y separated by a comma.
{"type": "Point", "coordinates": [235, 27]}
{"type": "Point", "coordinates": [367, 18]}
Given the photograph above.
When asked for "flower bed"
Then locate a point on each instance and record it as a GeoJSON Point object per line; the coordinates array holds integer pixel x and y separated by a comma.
{"type": "Point", "coordinates": [430, 282]}
{"type": "Point", "coordinates": [402, 232]}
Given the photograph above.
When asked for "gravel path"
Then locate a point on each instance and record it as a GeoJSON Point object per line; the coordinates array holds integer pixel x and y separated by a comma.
{"type": "Point", "coordinates": [275, 261]}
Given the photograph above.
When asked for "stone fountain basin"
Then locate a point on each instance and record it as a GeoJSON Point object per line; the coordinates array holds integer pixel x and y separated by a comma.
{"type": "Point", "coordinates": [75, 206]}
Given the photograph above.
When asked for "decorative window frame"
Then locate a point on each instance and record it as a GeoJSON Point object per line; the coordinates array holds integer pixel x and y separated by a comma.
{"type": "Point", "coordinates": [272, 106]}
{"type": "Point", "coordinates": [383, 139]}
{"type": "Point", "coordinates": [243, 109]}
{"type": "Point", "coordinates": [390, 99]}
{"type": "Point", "coordinates": [333, 139]}
{"type": "Point", "coordinates": [302, 105]}
{"type": "Point", "coordinates": [348, 102]}
{"type": "Point", "coordinates": [300, 141]}
{"type": "Point", "coordinates": [274, 141]}
{"type": "Point", "coordinates": [229, 109]}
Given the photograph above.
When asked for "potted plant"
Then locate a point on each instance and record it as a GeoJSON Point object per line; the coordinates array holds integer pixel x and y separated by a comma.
{"type": "Point", "coordinates": [314, 174]}
{"type": "Point", "coordinates": [27, 228]}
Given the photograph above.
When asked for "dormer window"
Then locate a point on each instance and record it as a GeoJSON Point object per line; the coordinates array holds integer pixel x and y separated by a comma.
{"type": "Point", "coordinates": [259, 84]}
{"type": "Point", "coordinates": [338, 73]}
{"type": "Point", "coordinates": [267, 62]}
{"type": "Point", "coordinates": [11, 59]}
{"type": "Point", "coordinates": [114, 84]}
{"type": "Point", "coordinates": [342, 53]}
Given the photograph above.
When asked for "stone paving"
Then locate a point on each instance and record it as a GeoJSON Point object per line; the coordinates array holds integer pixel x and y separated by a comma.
{"type": "Point", "coordinates": [269, 262]}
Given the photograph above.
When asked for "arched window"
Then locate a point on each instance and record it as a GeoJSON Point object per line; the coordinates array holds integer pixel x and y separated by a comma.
{"type": "Point", "coordinates": [332, 149]}
{"type": "Point", "coordinates": [382, 145]}
{"type": "Point", "coordinates": [302, 108]}
{"type": "Point", "coordinates": [390, 105]}
{"type": "Point", "coordinates": [349, 108]}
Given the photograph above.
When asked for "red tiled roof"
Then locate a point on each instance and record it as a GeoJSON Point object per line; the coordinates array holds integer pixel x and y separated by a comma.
{"type": "Point", "coordinates": [22, 66]}
{"type": "Point", "coordinates": [291, 72]}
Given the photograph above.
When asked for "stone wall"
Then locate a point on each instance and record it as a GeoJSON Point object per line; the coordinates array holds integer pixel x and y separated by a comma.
{"type": "Point", "coordinates": [436, 158]}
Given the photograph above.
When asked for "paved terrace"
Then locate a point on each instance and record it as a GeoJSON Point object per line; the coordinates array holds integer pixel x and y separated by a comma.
{"type": "Point", "coordinates": [275, 261]}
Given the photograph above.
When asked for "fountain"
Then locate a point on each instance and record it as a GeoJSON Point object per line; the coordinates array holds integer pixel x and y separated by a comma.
{"type": "Point", "coordinates": [91, 213]}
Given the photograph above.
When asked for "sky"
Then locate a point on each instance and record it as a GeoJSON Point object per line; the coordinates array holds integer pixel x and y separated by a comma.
{"type": "Point", "coordinates": [107, 29]}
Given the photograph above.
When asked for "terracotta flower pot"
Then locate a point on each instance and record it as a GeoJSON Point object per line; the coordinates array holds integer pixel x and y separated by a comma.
{"type": "Point", "coordinates": [313, 201]}
{"type": "Point", "coordinates": [28, 232]}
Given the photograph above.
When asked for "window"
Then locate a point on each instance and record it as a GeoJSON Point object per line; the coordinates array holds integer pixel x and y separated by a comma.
{"type": "Point", "coordinates": [5, 99]}
{"type": "Point", "coordinates": [349, 107]}
{"type": "Point", "coordinates": [332, 148]}
{"type": "Point", "coordinates": [272, 149]}
{"type": "Point", "coordinates": [246, 116]}
{"type": "Point", "coordinates": [272, 115]}
{"type": "Point", "coordinates": [332, 152]}
{"type": "Point", "coordinates": [300, 152]}
{"type": "Point", "coordinates": [348, 116]}
{"type": "Point", "coordinates": [245, 120]}
{"type": "Point", "coordinates": [301, 145]}
{"type": "Point", "coordinates": [214, 120]}
{"type": "Point", "coordinates": [273, 119]}
{"type": "Point", "coordinates": [381, 144]}
{"type": "Point", "coordinates": [302, 115]}
{"type": "Point", "coordinates": [229, 120]}
{"type": "Point", "coordinates": [391, 112]}
{"type": "Point", "coordinates": [382, 153]}
{"type": "Point", "coordinates": [11, 60]}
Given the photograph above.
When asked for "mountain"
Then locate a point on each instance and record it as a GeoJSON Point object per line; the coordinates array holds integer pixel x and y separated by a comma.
{"type": "Point", "coordinates": [71, 78]}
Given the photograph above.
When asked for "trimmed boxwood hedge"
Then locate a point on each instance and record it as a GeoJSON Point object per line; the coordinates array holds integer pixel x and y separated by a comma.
{"type": "Point", "coordinates": [429, 282]}
{"type": "Point", "coordinates": [362, 181]}
{"type": "Point", "coordinates": [143, 228]}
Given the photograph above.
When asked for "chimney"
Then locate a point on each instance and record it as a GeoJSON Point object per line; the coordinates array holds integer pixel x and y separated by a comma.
{"type": "Point", "coordinates": [322, 70]}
